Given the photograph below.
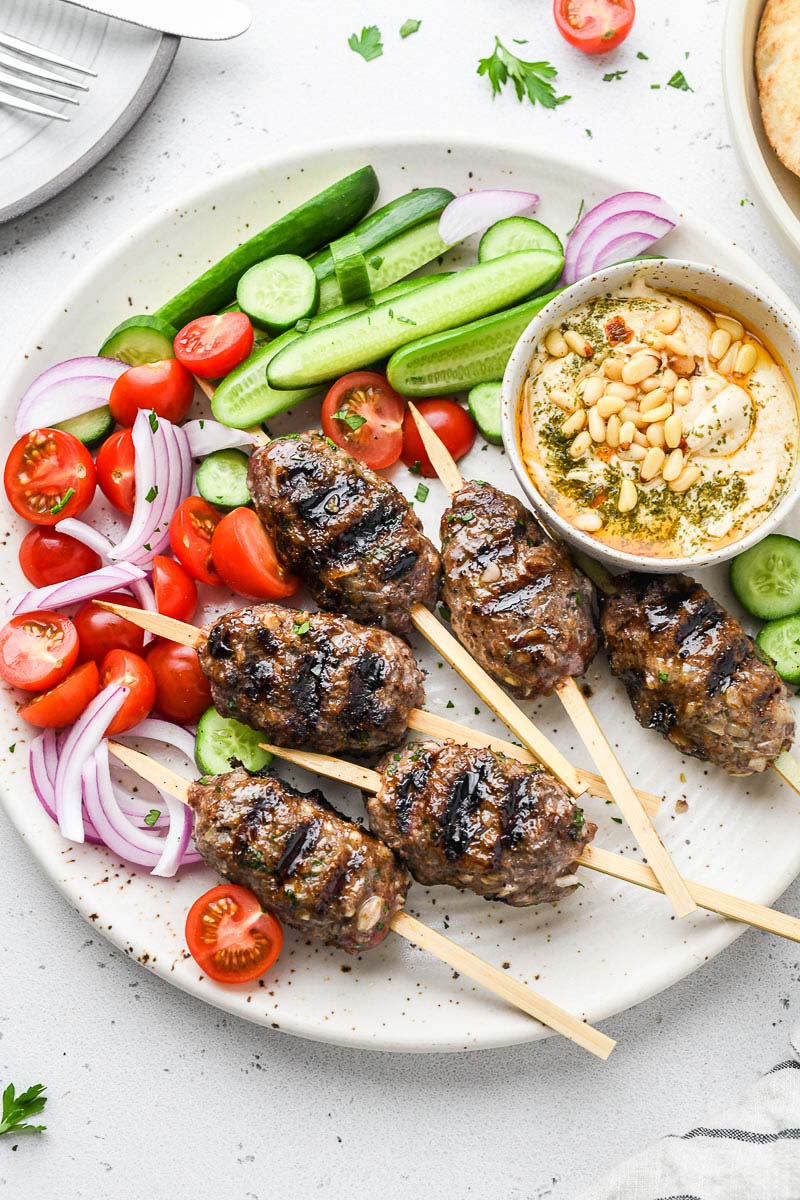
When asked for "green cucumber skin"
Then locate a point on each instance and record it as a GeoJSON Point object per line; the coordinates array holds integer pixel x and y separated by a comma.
{"type": "Point", "coordinates": [388, 293]}
{"type": "Point", "coordinates": [388, 222]}
{"type": "Point", "coordinates": [140, 339]}
{"type": "Point", "coordinates": [268, 316]}
{"type": "Point", "coordinates": [221, 479]}
{"type": "Point", "coordinates": [461, 358]}
{"type": "Point", "coordinates": [317, 221]}
{"type": "Point", "coordinates": [91, 428]}
{"type": "Point", "coordinates": [454, 300]}
{"type": "Point", "coordinates": [483, 403]}
{"type": "Point", "coordinates": [517, 233]}
{"type": "Point", "coordinates": [263, 401]}
{"type": "Point", "coordinates": [397, 258]}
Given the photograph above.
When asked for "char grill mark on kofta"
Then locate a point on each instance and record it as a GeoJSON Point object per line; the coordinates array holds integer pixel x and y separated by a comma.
{"type": "Point", "coordinates": [316, 870]}
{"type": "Point", "coordinates": [312, 678]}
{"type": "Point", "coordinates": [349, 534]}
{"type": "Point", "coordinates": [694, 675]}
{"type": "Point", "coordinates": [475, 819]}
{"type": "Point", "coordinates": [516, 602]}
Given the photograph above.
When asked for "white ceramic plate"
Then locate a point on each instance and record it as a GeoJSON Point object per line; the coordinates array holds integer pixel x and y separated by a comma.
{"type": "Point", "coordinates": [778, 188]}
{"type": "Point", "coordinates": [39, 157]}
{"type": "Point", "coordinates": [602, 950]}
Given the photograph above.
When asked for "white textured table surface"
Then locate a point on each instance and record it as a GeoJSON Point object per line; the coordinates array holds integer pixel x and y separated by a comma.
{"type": "Point", "coordinates": [153, 1094]}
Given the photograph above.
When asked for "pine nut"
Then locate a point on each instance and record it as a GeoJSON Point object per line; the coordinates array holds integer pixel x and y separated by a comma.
{"type": "Point", "coordinates": [639, 439]}
{"type": "Point", "coordinates": [652, 400]}
{"type": "Point", "coordinates": [650, 385]}
{"type": "Point", "coordinates": [683, 364]}
{"type": "Point", "coordinates": [634, 453]}
{"type": "Point", "coordinates": [746, 359]}
{"type": "Point", "coordinates": [676, 345]}
{"type": "Point", "coordinates": [613, 430]}
{"type": "Point", "coordinates": [672, 467]}
{"type": "Point", "coordinates": [593, 389]}
{"type": "Point", "coordinates": [659, 414]}
{"type": "Point", "coordinates": [597, 426]}
{"type": "Point", "coordinates": [669, 320]}
{"type": "Point", "coordinates": [640, 367]}
{"type": "Point", "coordinates": [612, 369]}
{"type": "Point", "coordinates": [555, 345]}
{"type": "Point", "coordinates": [581, 444]}
{"type": "Point", "coordinates": [610, 404]}
{"type": "Point", "coordinates": [628, 496]}
{"type": "Point", "coordinates": [588, 522]}
{"type": "Point", "coordinates": [655, 434]}
{"type": "Point", "coordinates": [653, 339]}
{"type": "Point", "coordinates": [577, 342]}
{"type": "Point", "coordinates": [682, 393]}
{"type": "Point", "coordinates": [574, 424]}
{"type": "Point", "coordinates": [673, 430]}
{"type": "Point", "coordinates": [728, 361]}
{"type": "Point", "coordinates": [654, 461]}
{"type": "Point", "coordinates": [563, 400]}
{"type": "Point", "coordinates": [719, 344]}
{"type": "Point", "coordinates": [491, 573]}
{"type": "Point", "coordinates": [688, 476]}
{"type": "Point", "coordinates": [625, 391]}
{"type": "Point", "coordinates": [668, 379]}
{"type": "Point", "coordinates": [629, 413]}
{"type": "Point", "coordinates": [730, 325]}
{"type": "Point", "coordinates": [579, 474]}
{"type": "Point", "coordinates": [626, 434]}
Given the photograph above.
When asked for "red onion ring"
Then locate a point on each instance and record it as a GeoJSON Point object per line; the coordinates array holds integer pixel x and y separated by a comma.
{"type": "Point", "coordinates": [645, 214]}
{"type": "Point", "coordinates": [475, 211]}
{"type": "Point", "coordinates": [79, 744]}
{"type": "Point", "coordinates": [162, 472]}
{"type": "Point", "coordinates": [72, 591]}
{"type": "Point", "coordinates": [68, 389]}
{"type": "Point", "coordinates": [207, 436]}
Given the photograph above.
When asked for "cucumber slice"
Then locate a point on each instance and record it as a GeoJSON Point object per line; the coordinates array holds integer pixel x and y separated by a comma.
{"type": "Point", "coordinates": [391, 261]}
{"type": "Point", "coordinates": [220, 740]}
{"type": "Point", "coordinates": [279, 292]}
{"type": "Point", "coordinates": [351, 269]}
{"type": "Point", "coordinates": [91, 428]}
{"type": "Point", "coordinates": [484, 405]}
{"type": "Point", "coordinates": [461, 358]}
{"type": "Point", "coordinates": [222, 479]}
{"type": "Point", "coordinates": [142, 339]}
{"type": "Point", "coordinates": [781, 641]}
{"type": "Point", "coordinates": [517, 233]}
{"type": "Point", "coordinates": [301, 231]}
{"type": "Point", "coordinates": [766, 578]}
{"type": "Point", "coordinates": [348, 310]}
{"type": "Point", "coordinates": [366, 337]}
{"type": "Point", "coordinates": [245, 398]}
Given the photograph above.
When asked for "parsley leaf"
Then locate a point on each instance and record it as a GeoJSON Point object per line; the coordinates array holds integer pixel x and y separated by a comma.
{"type": "Point", "coordinates": [369, 45]}
{"type": "Point", "coordinates": [422, 492]}
{"type": "Point", "coordinates": [152, 816]}
{"type": "Point", "coordinates": [641, 54]}
{"type": "Point", "coordinates": [531, 79]}
{"type": "Point", "coordinates": [352, 420]}
{"type": "Point", "coordinates": [679, 81]}
{"type": "Point", "coordinates": [153, 419]}
{"type": "Point", "coordinates": [613, 75]}
{"type": "Point", "coordinates": [408, 27]}
{"type": "Point", "coordinates": [17, 1108]}
{"type": "Point", "coordinates": [64, 501]}
{"type": "Point", "coordinates": [151, 495]}
{"type": "Point", "coordinates": [301, 627]}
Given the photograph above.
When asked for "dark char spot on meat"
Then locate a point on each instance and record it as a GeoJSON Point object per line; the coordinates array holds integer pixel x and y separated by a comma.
{"type": "Point", "coordinates": [522, 599]}
{"type": "Point", "coordinates": [409, 788]}
{"type": "Point", "coordinates": [299, 844]}
{"type": "Point", "coordinates": [663, 717]}
{"type": "Point", "coordinates": [218, 645]}
{"type": "Point", "coordinates": [325, 504]}
{"type": "Point", "coordinates": [724, 668]}
{"type": "Point", "coordinates": [255, 678]}
{"type": "Point", "coordinates": [337, 878]}
{"type": "Point", "coordinates": [458, 825]}
{"type": "Point", "coordinates": [691, 631]}
{"type": "Point", "coordinates": [401, 564]}
{"type": "Point", "coordinates": [366, 678]}
{"type": "Point", "coordinates": [359, 539]}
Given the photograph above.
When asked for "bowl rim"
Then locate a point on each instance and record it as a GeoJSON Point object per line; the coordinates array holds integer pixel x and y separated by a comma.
{"type": "Point", "coordinates": [783, 310]}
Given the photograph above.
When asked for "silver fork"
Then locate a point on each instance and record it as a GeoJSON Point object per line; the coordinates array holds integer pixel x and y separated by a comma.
{"type": "Point", "coordinates": [11, 63]}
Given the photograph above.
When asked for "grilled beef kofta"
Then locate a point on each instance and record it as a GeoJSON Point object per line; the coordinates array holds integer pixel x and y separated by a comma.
{"type": "Point", "coordinates": [351, 536]}
{"type": "Point", "coordinates": [311, 679]}
{"type": "Point", "coordinates": [517, 603]}
{"type": "Point", "coordinates": [475, 819]}
{"type": "Point", "coordinates": [693, 674]}
{"type": "Point", "coordinates": [316, 870]}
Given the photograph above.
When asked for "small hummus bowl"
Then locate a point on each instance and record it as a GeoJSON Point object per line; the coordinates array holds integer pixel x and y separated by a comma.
{"type": "Point", "coordinates": [644, 528]}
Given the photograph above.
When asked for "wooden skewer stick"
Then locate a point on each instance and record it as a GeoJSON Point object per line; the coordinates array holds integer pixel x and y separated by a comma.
{"type": "Point", "coordinates": [422, 935]}
{"type": "Point", "coordinates": [576, 781]}
{"type": "Point", "coordinates": [577, 709]}
{"type": "Point", "coordinates": [615, 865]}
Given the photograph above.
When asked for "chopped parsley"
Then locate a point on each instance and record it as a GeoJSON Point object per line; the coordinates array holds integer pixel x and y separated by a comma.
{"type": "Point", "coordinates": [663, 676]}
{"type": "Point", "coordinates": [617, 820]}
{"type": "Point", "coordinates": [152, 816]}
{"type": "Point", "coordinates": [450, 704]}
{"type": "Point", "coordinates": [376, 261]}
{"type": "Point", "coordinates": [301, 627]}
{"type": "Point", "coordinates": [581, 207]}
{"type": "Point", "coordinates": [153, 419]}
{"type": "Point", "coordinates": [444, 612]}
{"type": "Point", "coordinates": [16, 1109]}
{"type": "Point", "coordinates": [641, 54]}
{"type": "Point", "coordinates": [612, 75]}
{"type": "Point", "coordinates": [63, 502]}
{"type": "Point", "coordinates": [422, 492]}
{"type": "Point", "coordinates": [678, 81]}
{"type": "Point", "coordinates": [531, 79]}
{"type": "Point", "coordinates": [151, 495]}
{"type": "Point", "coordinates": [415, 467]}
{"type": "Point", "coordinates": [369, 44]}
{"type": "Point", "coordinates": [408, 27]}
{"type": "Point", "coordinates": [352, 420]}
{"type": "Point", "coordinates": [12, 747]}
{"type": "Point", "coordinates": [578, 820]}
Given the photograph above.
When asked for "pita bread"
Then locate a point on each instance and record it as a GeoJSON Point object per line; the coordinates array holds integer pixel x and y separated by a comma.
{"type": "Point", "coordinates": [778, 74]}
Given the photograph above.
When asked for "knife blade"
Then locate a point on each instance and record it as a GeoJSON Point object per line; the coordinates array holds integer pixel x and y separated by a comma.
{"type": "Point", "coordinates": [209, 20]}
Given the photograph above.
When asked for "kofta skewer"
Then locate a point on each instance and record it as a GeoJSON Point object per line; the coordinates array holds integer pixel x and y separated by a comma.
{"type": "Point", "coordinates": [580, 714]}
{"type": "Point", "coordinates": [259, 832]}
{"type": "Point", "coordinates": [617, 866]}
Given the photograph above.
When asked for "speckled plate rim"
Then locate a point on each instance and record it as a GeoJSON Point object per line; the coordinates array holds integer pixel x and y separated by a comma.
{"type": "Point", "coordinates": [145, 94]}
{"type": "Point", "coordinates": [707, 939]}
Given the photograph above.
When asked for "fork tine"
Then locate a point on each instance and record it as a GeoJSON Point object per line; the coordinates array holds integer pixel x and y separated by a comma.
{"type": "Point", "coordinates": [25, 85]}
{"type": "Point", "coordinates": [10, 60]}
{"type": "Point", "coordinates": [14, 43]}
{"type": "Point", "coordinates": [27, 106]}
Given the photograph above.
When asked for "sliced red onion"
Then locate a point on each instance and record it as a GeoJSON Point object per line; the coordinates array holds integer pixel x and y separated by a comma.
{"type": "Point", "coordinates": [162, 479]}
{"type": "Point", "coordinates": [118, 834]}
{"type": "Point", "coordinates": [640, 218]}
{"type": "Point", "coordinates": [72, 591]}
{"type": "Point", "coordinates": [146, 597]}
{"type": "Point", "coordinates": [69, 389]}
{"type": "Point", "coordinates": [79, 744]}
{"type": "Point", "coordinates": [178, 839]}
{"type": "Point", "coordinates": [207, 436]}
{"type": "Point", "coordinates": [476, 211]}
{"type": "Point", "coordinates": [163, 731]}
{"type": "Point", "coordinates": [90, 537]}
{"type": "Point", "coordinates": [42, 762]}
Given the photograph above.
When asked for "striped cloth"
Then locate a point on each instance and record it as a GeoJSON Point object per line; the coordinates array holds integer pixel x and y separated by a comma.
{"type": "Point", "coordinates": [749, 1152]}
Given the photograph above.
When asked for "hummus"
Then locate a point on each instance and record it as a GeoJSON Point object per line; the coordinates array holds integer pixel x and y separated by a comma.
{"type": "Point", "coordinates": [656, 425]}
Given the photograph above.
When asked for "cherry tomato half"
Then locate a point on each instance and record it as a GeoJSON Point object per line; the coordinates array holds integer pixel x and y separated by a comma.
{"type": "Point", "coordinates": [165, 387]}
{"type": "Point", "coordinates": [49, 476]}
{"type": "Point", "coordinates": [364, 415]}
{"type": "Point", "coordinates": [115, 466]}
{"type": "Point", "coordinates": [37, 650]}
{"type": "Point", "coordinates": [190, 532]}
{"type": "Point", "coordinates": [132, 672]}
{"type": "Point", "coordinates": [182, 691]}
{"type": "Point", "coordinates": [176, 591]}
{"type": "Point", "coordinates": [64, 703]}
{"type": "Point", "coordinates": [594, 26]}
{"type": "Point", "coordinates": [100, 631]}
{"type": "Point", "coordinates": [212, 346]}
{"type": "Point", "coordinates": [451, 423]}
{"type": "Point", "coordinates": [47, 556]}
{"type": "Point", "coordinates": [245, 556]}
{"type": "Point", "coordinates": [229, 935]}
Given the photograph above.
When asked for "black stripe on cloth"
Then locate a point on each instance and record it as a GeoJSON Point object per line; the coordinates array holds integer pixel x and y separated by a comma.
{"type": "Point", "coordinates": [791, 1064]}
{"type": "Point", "coordinates": [743, 1135]}
{"type": "Point", "coordinates": [685, 1196]}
